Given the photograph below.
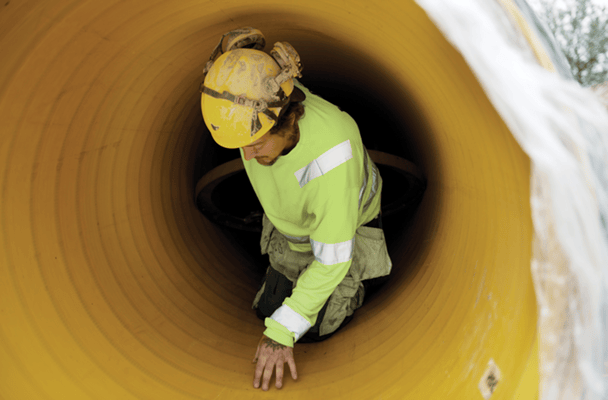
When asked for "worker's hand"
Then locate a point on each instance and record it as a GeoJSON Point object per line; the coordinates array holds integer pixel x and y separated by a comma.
{"type": "Point", "coordinates": [269, 355]}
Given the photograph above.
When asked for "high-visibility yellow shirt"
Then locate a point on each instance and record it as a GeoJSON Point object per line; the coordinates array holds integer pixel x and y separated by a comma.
{"type": "Point", "coordinates": [317, 196]}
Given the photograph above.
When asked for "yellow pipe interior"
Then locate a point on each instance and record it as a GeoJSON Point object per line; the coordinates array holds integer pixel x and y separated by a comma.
{"type": "Point", "coordinates": [114, 286]}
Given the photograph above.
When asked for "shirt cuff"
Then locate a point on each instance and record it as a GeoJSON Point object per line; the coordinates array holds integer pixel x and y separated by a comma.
{"type": "Point", "coordinates": [278, 333]}
{"type": "Point", "coordinates": [291, 320]}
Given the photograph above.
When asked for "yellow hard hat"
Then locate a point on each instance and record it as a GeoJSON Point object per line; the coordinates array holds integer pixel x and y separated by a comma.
{"type": "Point", "coordinates": [245, 90]}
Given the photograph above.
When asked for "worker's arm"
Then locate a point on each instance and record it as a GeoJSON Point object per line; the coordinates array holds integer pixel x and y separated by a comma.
{"type": "Point", "coordinates": [333, 243]}
{"type": "Point", "coordinates": [335, 208]}
{"type": "Point", "coordinates": [299, 312]}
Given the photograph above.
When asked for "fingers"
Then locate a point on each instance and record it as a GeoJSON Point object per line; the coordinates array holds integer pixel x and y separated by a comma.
{"type": "Point", "coordinates": [292, 367]}
{"type": "Point", "coordinates": [267, 375]}
{"type": "Point", "coordinates": [267, 359]}
{"type": "Point", "coordinates": [279, 377]}
{"type": "Point", "coordinates": [264, 370]}
{"type": "Point", "coordinates": [259, 368]}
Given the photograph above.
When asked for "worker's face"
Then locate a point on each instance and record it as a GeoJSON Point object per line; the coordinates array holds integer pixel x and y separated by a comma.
{"type": "Point", "coordinates": [269, 147]}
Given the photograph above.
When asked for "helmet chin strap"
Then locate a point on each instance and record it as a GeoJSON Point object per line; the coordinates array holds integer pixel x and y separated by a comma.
{"type": "Point", "coordinates": [259, 106]}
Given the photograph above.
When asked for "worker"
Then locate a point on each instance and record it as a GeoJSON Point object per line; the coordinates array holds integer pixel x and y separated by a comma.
{"type": "Point", "coordinates": [319, 188]}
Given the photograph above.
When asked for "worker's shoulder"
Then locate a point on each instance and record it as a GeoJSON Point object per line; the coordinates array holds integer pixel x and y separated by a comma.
{"type": "Point", "coordinates": [317, 104]}
{"type": "Point", "coordinates": [327, 125]}
{"type": "Point", "coordinates": [323, 116]}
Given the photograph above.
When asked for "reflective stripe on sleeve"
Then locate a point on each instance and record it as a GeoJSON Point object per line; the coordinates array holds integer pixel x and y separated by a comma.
{"type": "Point", "coordinates": [291, 320]}
{"type": "Point", "coordinates": [327, 161]}
{"type": "Point", "coordinates": [330, 254]}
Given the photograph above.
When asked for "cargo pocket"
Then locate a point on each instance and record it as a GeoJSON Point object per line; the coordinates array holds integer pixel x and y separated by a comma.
{"type": "Point", "coordinates": [346, 298]}
{"type": "Point", "coordinates": [371, 258]}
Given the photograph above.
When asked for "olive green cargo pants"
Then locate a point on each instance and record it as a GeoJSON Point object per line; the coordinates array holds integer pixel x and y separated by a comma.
{"type": "Point", "coordinates": [370, 261]}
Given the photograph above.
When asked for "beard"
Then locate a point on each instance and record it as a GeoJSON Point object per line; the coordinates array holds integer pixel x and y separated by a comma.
{"type": "Point", "coordinates": [267, 163]}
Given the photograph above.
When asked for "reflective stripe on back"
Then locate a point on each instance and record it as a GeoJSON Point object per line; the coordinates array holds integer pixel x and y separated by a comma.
{"type": "Point", "coordinates": [327, 161]}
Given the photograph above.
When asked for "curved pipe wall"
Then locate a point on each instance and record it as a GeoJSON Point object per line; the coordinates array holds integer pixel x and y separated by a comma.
{"type": "Point", "coordinates": [113, 286]}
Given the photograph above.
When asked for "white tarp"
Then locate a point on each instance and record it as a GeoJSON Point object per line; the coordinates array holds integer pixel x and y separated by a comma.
{"type": "Point", "coordinates": [602, 92]}
{"type": "Point", "coordinates": [564, 130]}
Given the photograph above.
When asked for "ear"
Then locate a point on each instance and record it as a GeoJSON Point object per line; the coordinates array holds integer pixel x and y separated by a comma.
{"type": "Point", "coordinates": [292, 118]}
